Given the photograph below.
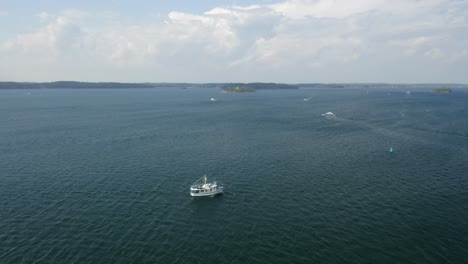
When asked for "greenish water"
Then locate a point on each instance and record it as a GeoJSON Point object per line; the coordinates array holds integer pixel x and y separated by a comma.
{"type": "Point", "coordinates": [103, 176]}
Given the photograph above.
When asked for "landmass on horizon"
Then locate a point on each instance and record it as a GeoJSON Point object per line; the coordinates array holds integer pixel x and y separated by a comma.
{"type": "Point", "coordinates": [224, 86]}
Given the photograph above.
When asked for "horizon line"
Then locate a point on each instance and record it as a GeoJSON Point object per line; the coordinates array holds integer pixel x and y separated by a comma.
{"type": "Point", "coordinates": [264, 82]}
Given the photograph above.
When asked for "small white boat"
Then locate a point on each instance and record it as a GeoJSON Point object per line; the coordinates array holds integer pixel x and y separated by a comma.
{"type": "Point", "coordinates": [204, 188]}
{"type": "Point", "coordinates": [213, 99]}
{"type": "Point", "coordinates": [328, 114]}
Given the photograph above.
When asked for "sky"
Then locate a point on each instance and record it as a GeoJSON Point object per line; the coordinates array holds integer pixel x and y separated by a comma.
{"type": "Point", "coordinates": [288, 41]}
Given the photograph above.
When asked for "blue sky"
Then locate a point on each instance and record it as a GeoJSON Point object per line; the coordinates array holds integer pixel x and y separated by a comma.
{"type": "Point", "coordinates": [235, 41]}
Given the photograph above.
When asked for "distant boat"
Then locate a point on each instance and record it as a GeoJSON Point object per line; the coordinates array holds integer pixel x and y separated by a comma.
{"type": "Point", "coordinates": [390, 150]}
{"type": "Point", "coordinates": [204, 188]}
{"type": "Point", "coordinates": [329, 115]}
{"type": "Point", "coordinates": [213, 99]}
{"type": "Point", "coordinates": [306, 99]}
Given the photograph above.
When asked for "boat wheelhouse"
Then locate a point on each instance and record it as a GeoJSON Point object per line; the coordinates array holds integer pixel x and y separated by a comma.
{"type": "Point", "coordinates": [204, 188]}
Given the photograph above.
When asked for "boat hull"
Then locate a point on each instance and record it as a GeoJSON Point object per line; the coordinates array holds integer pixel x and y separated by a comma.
{"type": "Point", "coordinates": [215, 192]}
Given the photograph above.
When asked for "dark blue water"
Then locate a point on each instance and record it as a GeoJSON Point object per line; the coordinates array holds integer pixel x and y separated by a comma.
{"type": "Point", "coordinates": [102, 176]}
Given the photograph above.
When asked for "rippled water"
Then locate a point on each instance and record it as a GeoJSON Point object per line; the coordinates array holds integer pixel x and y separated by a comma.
{"type": "Point", "coordinates": [102, 176]}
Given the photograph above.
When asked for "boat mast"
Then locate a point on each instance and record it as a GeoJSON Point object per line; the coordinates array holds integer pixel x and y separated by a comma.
{"type": "Point", "coordinates": [204, 178]}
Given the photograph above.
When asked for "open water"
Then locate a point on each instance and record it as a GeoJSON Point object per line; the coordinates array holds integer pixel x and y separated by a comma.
{"type": "Point", "coordinates": [103, 176]}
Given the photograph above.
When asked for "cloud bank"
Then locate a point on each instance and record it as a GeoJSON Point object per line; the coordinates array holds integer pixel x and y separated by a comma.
{"type": "Point", "coordinates": [292, 41]}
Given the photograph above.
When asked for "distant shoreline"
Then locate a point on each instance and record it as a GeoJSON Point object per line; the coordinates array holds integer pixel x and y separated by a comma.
{"type": "Point", "coordinates": [256, 85]}
{"type": "Point", "coordinates": [118, 85]}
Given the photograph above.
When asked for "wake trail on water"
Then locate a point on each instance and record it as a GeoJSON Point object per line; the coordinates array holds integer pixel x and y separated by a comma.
{"type": "Point", "coordinates": [394, 134]}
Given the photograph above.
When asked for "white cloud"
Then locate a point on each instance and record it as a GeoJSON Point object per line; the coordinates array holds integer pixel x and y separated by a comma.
{"type": "Point", "coordinates": [345, 8]}
{"type": "Point", "coordinates": [58, 38]}
{"type": "Point", "coordinates": [43, 16]}
{"type": "Point", "coordinates": [435, 53]}
{"type": "Point", "coordinates": [413, 45]}
{"type": "Point", "coordinates": [412, 42]}
{"type": "Point", "coordinates": [292, 41]}
{"type": "Point", "coordinates": [325, 8]}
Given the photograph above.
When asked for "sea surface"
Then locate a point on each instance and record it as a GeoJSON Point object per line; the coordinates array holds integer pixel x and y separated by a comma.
{"type": "Point", "coordinates": [103, 176]}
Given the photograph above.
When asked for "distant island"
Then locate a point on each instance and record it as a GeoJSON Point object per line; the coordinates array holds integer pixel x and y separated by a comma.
{"type": "Point", "coordinates": [239, 89]}
{"type": "Point", "coordinates": [442, 90]}
{"type": "Point", "coordinates": [260, 86]}
{"type": "Point", "coordinates": [252, 87]}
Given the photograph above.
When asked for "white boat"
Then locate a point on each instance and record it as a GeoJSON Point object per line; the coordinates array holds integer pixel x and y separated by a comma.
{"type": "Point", "coordinates": [204, 188]}
{"type": "Point", "coordinates": [213, 99]}
{"type": "Point", "coordinates": [329, 115]}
